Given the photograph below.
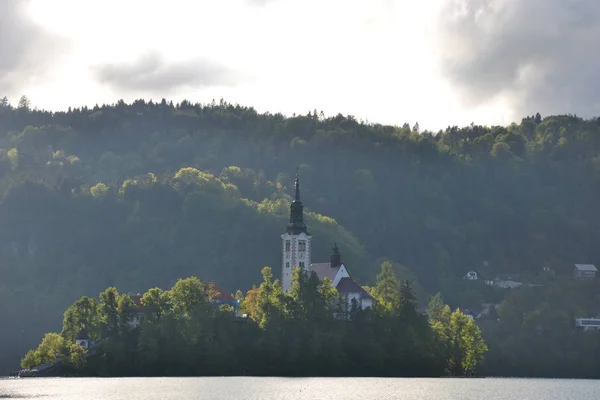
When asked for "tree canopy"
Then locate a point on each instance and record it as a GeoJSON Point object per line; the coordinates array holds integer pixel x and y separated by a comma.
{"type": "Point", "coordinates": [309, 332]}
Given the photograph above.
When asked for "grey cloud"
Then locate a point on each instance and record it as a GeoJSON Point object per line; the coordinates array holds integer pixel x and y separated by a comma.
{"type": "Point", "coordinates": [544, 55]}
{"type": "Point", "coordinates": [152, 73]}
{"type": "Point", "coordinates": [26, 50]}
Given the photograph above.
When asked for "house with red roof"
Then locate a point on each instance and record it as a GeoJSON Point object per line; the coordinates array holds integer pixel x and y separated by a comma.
{"type": "Point", "coordinates": [138, 310]}
{"type": "Point", "coordinates": [218, 296]}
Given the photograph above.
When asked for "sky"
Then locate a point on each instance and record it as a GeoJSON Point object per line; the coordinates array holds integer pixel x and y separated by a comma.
{"type": "Point", "coordinates": [435, 62]}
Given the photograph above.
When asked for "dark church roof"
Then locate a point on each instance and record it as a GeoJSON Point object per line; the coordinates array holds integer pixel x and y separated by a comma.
{"type": "Point", "coordinates": [347, 285]}
{"type": "Point", "coordinates": [296, 223]}
{"type": "Point", "coordinates": [324, 270]}
{"type": "Point", "coordinates": [82, 336]}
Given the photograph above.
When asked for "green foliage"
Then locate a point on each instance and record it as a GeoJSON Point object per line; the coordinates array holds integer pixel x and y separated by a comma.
{"type": "Point", "coordinates": [313, 300]}
{"type": "Point", "coordinates": [459, 335]}
{"type": "Point", "coordinates": [99, 190]}
{"type": "Point", "coordinates": [268, 297]}
{"type": "Point", "coordinates": [187, 297]}
{"type": "Point", "coordinates": [81, 316]}
{"type": "Point", "coordinates": [183, 331]}
{"type": "Point", "coordinates": [24, 103]}
{"type": "Point", "coordinates": [436, 308]}
{"type": "Point", "coordinates": [77, 356]}
{"type": "Point", "coordinates": [226, 309]}
{"type": "Point", "coordinates": [52, 347]}
{"type": "Point", "coordinates": [535, 333]}
{"type": "Point", "coordinates": [387, 289]}
{"type": "Point", "coordinates": [109, 311]}
{"type": "Point", "coordinates": [156, 300]}
{"type": "Point", "coordinates": [31, 359]}
{"type": "Point", "coordinates": [13, 157]}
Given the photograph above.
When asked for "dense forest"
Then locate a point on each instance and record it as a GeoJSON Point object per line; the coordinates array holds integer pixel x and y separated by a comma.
{"type": "Point", "coordinates": [139, 195]}
{"type": "Point", "coordinates": [311, 331]}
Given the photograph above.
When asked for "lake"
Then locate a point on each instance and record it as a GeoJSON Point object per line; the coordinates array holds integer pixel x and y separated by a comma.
{"type": "Point", "coordinates": [297, 389]}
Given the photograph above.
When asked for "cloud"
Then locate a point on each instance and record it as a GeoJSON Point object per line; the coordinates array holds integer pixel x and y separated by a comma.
{"type": "Point", "coordinates": [26, 50]}
{"type": "Point", "coordinates": [259, 2]}
{"type": "Point", "coordinates": [538, 55]}
{"type": "Point", "coordinates": [152, 73]}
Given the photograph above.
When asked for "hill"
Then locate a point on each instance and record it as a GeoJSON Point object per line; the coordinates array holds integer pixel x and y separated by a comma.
{"type": "Point", "coordinates": [137, 195]}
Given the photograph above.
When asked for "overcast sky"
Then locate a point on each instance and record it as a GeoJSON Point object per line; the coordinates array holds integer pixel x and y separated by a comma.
{"type": "Point", "coordinates": [438, 62]}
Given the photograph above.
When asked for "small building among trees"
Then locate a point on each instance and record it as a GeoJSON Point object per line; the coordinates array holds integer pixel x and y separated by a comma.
{"type": "Point", "coordinates": [584, 271]}
{"type": "Point", "coordinates": [83, 340]}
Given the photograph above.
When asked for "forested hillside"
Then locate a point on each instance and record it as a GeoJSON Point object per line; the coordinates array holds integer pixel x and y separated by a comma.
{"type": "Point", "coordinates": [138, 195]}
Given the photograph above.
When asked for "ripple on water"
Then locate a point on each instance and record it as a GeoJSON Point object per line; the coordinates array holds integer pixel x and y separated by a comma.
{"type": "Point", "coordinates": [248, 388]}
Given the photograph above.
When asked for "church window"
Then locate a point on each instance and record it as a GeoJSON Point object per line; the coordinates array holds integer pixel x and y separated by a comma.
{"type": "Point", "coordinates": [287, 264]}
{"type": "Point", "coordinates": [287, 245]}
{"type": "Point", "coordinates": [301, 264]}
{"type": "Point", "coordinates": [302, 246]}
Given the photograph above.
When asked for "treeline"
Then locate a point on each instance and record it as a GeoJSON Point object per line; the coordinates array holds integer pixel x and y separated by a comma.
{"type": "Point", "coordinates": [310, 332]}
{"type": "Point", "coordinates": [516, 197]}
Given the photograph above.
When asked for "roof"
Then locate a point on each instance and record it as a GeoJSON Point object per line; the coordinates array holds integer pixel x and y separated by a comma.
{"type": "Point", "coordinates": [586, 267]}
{"type": "Point", "coordinates": [211, 290]}
{"type": "Point", "coordinates": [138, 307]}
{"type": "Point", "coordinates": [214, 292]}
{"type": "Point", "coordinates": [347, 285]}
{"type": "Point", "coordinates": [324, 270]}
{"type": "Point", "coordinates": [82, 336]}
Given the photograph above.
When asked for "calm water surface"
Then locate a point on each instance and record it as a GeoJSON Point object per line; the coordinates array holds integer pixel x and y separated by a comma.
{"type": "Point", "coordinates": [298, 389]}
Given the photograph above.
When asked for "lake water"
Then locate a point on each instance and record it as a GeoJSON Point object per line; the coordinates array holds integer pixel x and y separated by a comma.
{"type": "Point", "coordinates": [297, 389]}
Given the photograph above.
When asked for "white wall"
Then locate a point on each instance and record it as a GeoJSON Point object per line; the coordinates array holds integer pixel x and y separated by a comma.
{"type": "Point", "coordinates": [342, 273]}
{"type": "Point", "coordinates": [135, 321]}
{"type": "Point", "coordinates": [366, 303]}
{"type": "Point", "coordinates": [294, 257]}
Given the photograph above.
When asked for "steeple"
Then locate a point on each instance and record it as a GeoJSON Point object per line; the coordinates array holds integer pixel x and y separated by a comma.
{"type": "Point", "coordinates": [335, 259]}
{"type": "Point", "coordinates": [297, 189]}
{"type": "Point", "coordinates": [296, 223]}
{"type": "Point", "coordinates": [296, 248]}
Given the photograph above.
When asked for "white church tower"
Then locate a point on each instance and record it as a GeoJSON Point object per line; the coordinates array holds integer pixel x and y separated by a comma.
{"type": "Point", "coordinates": [296, 247]}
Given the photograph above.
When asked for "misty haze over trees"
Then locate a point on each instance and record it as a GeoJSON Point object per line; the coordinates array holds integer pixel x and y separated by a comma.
{"type": "Point", "coordinates": [139, 195]}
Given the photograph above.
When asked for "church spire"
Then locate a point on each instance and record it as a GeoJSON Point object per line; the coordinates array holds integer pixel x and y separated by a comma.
{"type": "Point", "coordinates": [296, 223]}
{"type": "Point", "coordinates": [297, 188]}
{"type": "Point", "coordinates": [335, 259]}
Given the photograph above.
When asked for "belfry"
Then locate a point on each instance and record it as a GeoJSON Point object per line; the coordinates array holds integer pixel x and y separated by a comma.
{"type": "Point", "coordinates": [296, 252]}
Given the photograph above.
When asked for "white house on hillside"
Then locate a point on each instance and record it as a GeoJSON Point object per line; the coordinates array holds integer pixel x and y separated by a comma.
{"type": "Point", "coordinates": [506, 281]}
{"type": "Point", "coordinates": [471, 276]}
{"type": "Point", "coordinates": [587, 324]}
{"type": "Point", "coordinates": [296, 251]}
{"type": "Point", "coordinates": [584, 271]}
{"type": "Point", "coordinates": [82, 340]}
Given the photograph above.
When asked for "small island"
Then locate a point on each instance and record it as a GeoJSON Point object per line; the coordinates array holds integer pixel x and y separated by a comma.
{"type": "Point", "coordinates": [193, 329]}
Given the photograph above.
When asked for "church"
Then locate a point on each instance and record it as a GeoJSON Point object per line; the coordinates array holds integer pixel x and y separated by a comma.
{"type": "Point", "coordinates": [296, 251]}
